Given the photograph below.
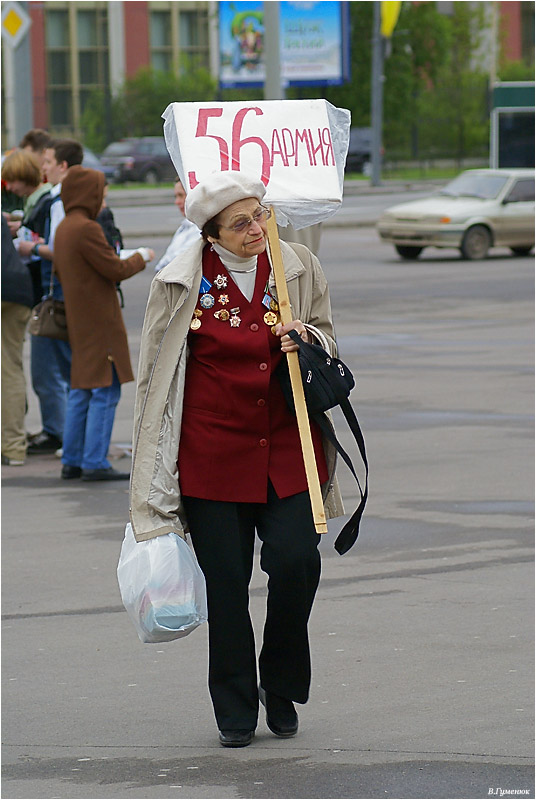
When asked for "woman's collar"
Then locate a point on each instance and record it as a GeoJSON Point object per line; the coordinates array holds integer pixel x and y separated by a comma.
{"type": "Point", "coordinates": [232, 261]}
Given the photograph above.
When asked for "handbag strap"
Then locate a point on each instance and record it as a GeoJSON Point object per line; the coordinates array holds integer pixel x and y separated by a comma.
{"type": "Point", "coordinates": [350, 531]}
{"type": "Point", "coordinates": [51, 287]}
{"type": "Point", "coordinates": [46, 237]}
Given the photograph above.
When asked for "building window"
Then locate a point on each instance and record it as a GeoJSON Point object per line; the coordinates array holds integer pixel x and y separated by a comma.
{"type": "Point", "coordinates": [193, 32]}
{"type": "Point", "coordinates": [76, 40]}
{"type": "Point", "coordinates": [58, 68]}
{"type": "Point", "coordinates": [160, 39]}
{"type": "Point", "coordinates": [527, 32]}
{"type": "Point", "coordinates": [179, 34]}
{"type": "Point", "coordinates": [92, 38]}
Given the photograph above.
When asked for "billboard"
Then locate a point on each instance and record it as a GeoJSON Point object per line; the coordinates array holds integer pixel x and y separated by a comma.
{"type": "Point", "coordinates": [314, 44]}
{"type": "Point", "coordinates": [512, 124]}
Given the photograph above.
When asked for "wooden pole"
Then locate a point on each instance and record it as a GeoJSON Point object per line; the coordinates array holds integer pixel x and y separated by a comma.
{"type": "Point", "coordinates": [302, 416]}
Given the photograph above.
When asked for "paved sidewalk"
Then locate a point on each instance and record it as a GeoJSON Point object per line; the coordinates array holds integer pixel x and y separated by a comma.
{"type": "Point", "coordinates": [422, 635]}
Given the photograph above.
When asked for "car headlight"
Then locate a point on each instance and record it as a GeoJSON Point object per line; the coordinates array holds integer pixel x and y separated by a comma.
{"type": "Point", "coordinates": [435, 219]}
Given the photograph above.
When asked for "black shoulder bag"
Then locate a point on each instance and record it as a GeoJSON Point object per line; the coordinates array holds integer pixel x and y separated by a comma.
{"type": "Point", "coordinates": [327, 383]}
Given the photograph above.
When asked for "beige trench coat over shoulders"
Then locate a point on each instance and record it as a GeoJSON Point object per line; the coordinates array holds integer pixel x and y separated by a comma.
{"type": "Point", "coordinates": [155, 502]}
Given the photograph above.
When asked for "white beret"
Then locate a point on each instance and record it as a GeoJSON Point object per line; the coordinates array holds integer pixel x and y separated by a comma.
{"type": "Point", "coordinates": [217, 191]}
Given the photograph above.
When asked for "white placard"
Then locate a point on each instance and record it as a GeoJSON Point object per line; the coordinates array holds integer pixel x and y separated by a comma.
{"type": "Point", "coordinates": [296, 147]}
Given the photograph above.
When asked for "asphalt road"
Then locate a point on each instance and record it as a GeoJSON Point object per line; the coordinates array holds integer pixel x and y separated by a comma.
{"type": "Point", "coordinates": [421, 635]}
{"type": "Point", "coordinates": [361, 206]}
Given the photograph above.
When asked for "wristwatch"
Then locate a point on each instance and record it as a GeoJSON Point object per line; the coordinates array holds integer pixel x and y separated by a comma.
{"type": "Point", "coordinates": [35, 250]}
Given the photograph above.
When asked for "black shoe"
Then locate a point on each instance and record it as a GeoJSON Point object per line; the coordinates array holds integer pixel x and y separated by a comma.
{"type": "Point", "coordinates": [239, 738]}
{"type": "Point", "coordinates": [109, 474]}
{"type": "Point", "coordinates": [42, 444]}
{"type": "Point", "coordinates": [281, 715]}
{"type": "Point", "coordinates": [68, 472]}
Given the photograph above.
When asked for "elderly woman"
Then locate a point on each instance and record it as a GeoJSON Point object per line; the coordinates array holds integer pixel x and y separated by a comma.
{"type": "Point", "coordinates": [217, 452]}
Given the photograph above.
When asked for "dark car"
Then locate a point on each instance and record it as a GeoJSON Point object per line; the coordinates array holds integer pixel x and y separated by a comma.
{"type": "Point", "coordinates": [93, 162]}
{"type": "Point", "coordinates": [144, 159]}
{"type": "Point", "coordinates": [359, 149]}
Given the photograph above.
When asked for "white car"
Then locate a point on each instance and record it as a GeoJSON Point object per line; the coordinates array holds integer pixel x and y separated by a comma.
{"type": "Point", "coordinates": [479, 209]}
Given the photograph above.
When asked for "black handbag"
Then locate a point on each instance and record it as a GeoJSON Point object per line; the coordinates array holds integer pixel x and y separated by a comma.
{"type": "Point", "coordinates": [327, 382]}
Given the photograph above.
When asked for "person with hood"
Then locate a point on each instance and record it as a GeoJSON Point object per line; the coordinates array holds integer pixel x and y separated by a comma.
{"type": "Point", "coordinates": [89, 270]}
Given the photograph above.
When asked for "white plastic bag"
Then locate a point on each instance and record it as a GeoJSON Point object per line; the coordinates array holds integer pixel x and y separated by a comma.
{"type": "Point", "coordinates": [162, 587]}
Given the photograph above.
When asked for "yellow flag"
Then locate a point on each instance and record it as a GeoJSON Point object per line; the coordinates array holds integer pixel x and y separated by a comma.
{"type": "Point", "coordinates": [390, 12]}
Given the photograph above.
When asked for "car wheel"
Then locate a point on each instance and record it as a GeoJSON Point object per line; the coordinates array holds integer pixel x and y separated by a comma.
{"type": "Point", "coordinates": [521, 251]}
{"type": "Point", "coordinates": [151, 176]}
{"type": "Point", "coordinates": [408, 252]}
{"type": "Point", "coordinates": [476, 242]}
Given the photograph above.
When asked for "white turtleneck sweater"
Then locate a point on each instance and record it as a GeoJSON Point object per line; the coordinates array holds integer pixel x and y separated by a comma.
{"type": "Point", "coordinates": [243, 271]}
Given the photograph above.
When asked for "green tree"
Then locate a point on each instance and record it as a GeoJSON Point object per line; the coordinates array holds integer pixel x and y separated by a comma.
{"type": "Point", "coordinates": [463, 83]}
{"type": "Point", "coordinates": [419, 48]}
{"type": "Point", "coordinates": [436, 101]}
{"type": "Point", "coordinates": [516, 71]}
{"type": "Point", "coordinates": [137, 108]}
{"type": "Point", "coordinates": [355, 94]}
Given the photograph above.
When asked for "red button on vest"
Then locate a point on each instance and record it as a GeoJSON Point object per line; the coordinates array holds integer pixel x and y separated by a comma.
{"type": "Point", "coordinates": [263, 442]}
{"type": "Point", "coordinates": [263, 367]}
{"type": "Point", "coordinates": [261, 402]}
{"type": "Point", "coordinates": [254, 327]}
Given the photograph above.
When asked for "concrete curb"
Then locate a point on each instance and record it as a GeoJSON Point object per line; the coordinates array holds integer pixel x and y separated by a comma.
{"type": "Point", "coordinates": [121, 198]}
{"type": "Point", "coordinates": [330, 223]}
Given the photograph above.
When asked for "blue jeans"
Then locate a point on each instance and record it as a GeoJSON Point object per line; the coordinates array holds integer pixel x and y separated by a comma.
{"type": "Point", "coordinates": [51, 376]}
{"type": "Point", "coordinates": [88, 425]}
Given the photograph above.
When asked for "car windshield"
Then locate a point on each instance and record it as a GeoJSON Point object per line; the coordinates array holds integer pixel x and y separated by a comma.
{"type": "Point", "coordinates": [470, 185]}
{"type": "Point", "coordinates": [90, 160]}
{"type": "Point", "coordinates": [118, 149]}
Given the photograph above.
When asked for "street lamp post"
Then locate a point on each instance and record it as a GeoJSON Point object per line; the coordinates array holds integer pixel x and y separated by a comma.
{"type": "Point", "coordinates": [272, 60]}
{"type": "Point", "coordinates": [377, 96]}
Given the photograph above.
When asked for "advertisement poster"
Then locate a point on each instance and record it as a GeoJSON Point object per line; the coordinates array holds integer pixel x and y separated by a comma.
{"type": "Point", "coordinates": [313, 43]}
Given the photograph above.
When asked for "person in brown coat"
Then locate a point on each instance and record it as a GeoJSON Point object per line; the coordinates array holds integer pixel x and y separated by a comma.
{"type": "Point", "coordinates": [88, 270]}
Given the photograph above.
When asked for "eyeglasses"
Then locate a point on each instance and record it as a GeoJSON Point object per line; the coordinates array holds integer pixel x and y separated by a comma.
{"type": "Point", "coordinates": [261, 215]}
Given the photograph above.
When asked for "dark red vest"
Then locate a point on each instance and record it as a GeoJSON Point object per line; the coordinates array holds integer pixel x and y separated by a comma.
{"type": "Point", "coordinates": [237, 431]}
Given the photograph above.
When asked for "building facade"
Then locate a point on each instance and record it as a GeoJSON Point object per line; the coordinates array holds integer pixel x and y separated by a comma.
{"type": "Point", "coordinates": [75, 47]}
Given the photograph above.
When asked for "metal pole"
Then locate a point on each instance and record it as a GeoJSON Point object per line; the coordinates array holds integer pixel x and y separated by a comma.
{"type": "Point", "coordinates": [10, 100]}
{"type": "Point", "coordinates": [377, 96]}
{"type": "Point", "coordinates": [272, 61]}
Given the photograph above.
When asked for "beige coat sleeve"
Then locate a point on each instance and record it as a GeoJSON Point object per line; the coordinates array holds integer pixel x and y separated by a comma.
{"type": "Point", "coordinates": [310, 299]}
{"type": "Point", "coordinates": [157, 317]}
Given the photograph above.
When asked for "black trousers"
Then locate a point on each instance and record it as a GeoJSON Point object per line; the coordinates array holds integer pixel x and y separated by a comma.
{"type": "Point", "coordinates": [223, 536]}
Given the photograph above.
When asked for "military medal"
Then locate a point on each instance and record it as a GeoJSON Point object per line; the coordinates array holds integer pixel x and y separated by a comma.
{"type": "Point", "coordinates": [195, 324]}
{"type": "Point", "coordinates": [223, 299]}
{"type": "Point", "coordinates": [207, 301]}
{"type": "Point", "coordinates": [222, 315]}
{"type": "Point", "coordinates": [220, 282]}
{"type": "Point", "coordinates": [270, 318]}
{"type": "Point", "coordinates": [268, 300]}
{"type": "Point", "coordinates": [235, 319]}
{"type": "Point", "coordinates": [206, 285]}
{"type": "Point", "coordinates": [198, 312]}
